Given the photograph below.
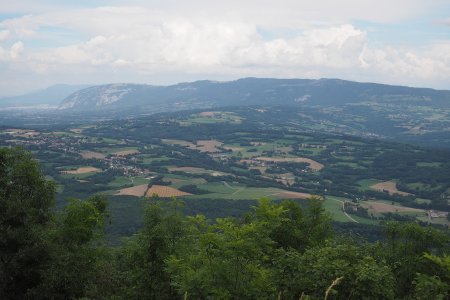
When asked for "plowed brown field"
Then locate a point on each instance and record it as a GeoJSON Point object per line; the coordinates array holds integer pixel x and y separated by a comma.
{"type": "Point", "coordinates": [165, 191]}
{"type": "Point", "coordinates": [138, 190]}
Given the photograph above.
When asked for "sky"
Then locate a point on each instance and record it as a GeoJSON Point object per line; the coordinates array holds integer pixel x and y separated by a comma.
{"type": "Point", "coordinates": [46, 42]}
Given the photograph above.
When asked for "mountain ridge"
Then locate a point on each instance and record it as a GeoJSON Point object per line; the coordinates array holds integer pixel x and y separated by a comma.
{"type": "Point", "coordinates": [252, 91]}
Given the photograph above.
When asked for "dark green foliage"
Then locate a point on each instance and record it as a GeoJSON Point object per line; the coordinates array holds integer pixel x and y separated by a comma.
{"type": "Point", "coordinates": [193, 189]}
{"type": "Point", "coordinates": [144, 255]}
{"type": "Point", "coordinates": [404, 250]}
{"type": "Point", "coordinates": [158, 180]}
{"type": "Point", "coordinates": [75, 253]}
{"type": "Point", "coordinates": [26, 200]}
{"type": "Point", "coordinates": [43, 255]}
{"type": "Point", "coordinates": [311, 273]}
{"type": "Point", "coordinates": [430, 287]}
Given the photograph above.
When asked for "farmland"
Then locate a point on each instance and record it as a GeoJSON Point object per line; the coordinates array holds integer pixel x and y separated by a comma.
{"type": "Point", "coordinates": [92, 154]}
{"type": "Point", "coordinates": [138, 191]}
{"type": "Point", "coordinates": [164, 191]}
{"type": "Point", "coordinates": [241, 155]}
{"type": "Point", "coordinates": [313, 165]}
{"type": "Point", "coordinates": [81, 170]}
{"type": "Point", "coordinates": [388, 186]}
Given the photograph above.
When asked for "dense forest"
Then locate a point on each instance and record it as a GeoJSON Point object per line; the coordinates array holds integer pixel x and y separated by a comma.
{"type": "Point", "coordinates": [276, 251]}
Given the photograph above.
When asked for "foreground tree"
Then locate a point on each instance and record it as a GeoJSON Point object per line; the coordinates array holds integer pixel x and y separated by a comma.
{"type": "Point", "coordinates": [234, 259]}
{"type": "Point", "coordinates": [404, 248]}
{"type": "Point", "coordinates": [357, 274]}
{"type": "Point", "coordinates": [76, 252]}
{"type": "Point", "coordinates": [44, 255]}
{"type": "Point", "coordinates": [143, 258]}
{"type": "Point", "coordinates": [26, 211]}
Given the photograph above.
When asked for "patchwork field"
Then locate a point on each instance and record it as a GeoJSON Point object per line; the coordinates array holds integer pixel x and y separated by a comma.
{"type": "Point", "coordinates": [126, 152]}
{"type": "Point", "coordinates": [119, 151]}
{"type": "Point", "coordinates": [165, 191]}
{"type": "Point", "coordinates": [22, 133]}
{"type": "Point", "coordinates": [390, 187]}
{"type": "Point", "coordinates": [314, 165]}
{"type": "Point", "coordinates": [121, 181]}
{"type": "Point", "coordinates": [380, 207]}
{"type": "Point", "coordinates": [211, 117]}
{"type": "Point", "coordinates": [82, 170]}
{"type": "Point", "coordinates": [235, 191]}
{"type": "Point", "coordinates": [293, 195]}
{"type": "Point", "coordinates": [271, 146]}
{"type": "Point", "coordinates": [179, 143]}
{"type": "Point", "coordinates": [195, 170]}
{"type": "Point", "coordinates": [92, 154]}
{"type": "Point", "coordinates": [209, 146]}
{"type": "Point", "coordinates": [234, 148]}
{"type": "Point", "coordinates": [365, 184]}
{"type": "Point", "coordinates": [138, 191]}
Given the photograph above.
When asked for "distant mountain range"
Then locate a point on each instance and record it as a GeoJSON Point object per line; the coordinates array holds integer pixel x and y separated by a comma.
{"type": "Point", "coordinates": [418, 115]}
{"type": "Point", "coordinates": [50, 97]}
{"type": "Point", "coordinates": [204, 94]}
{"type": "Point", "coordinates": [248, 91]}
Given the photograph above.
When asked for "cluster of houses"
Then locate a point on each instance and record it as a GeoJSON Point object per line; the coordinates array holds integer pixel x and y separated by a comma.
{"type": "Point", "coordinates": [432, 214]}
{"type": "Point", "coordinates": [72, 144]}
{"type": "Point", "coordinates": [122, 163]}
{"type": "Point", "coordinates": [64, 143]}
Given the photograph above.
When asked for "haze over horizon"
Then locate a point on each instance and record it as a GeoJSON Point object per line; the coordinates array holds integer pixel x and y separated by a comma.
{"type": "Point", "coordinates": [94, 42]}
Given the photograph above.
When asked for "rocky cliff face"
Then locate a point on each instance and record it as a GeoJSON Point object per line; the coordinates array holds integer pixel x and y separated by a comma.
{"type": "Point", "coordinates": [97, 96]}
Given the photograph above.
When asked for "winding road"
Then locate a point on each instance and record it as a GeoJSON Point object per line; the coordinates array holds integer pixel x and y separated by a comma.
{"type": "Point", "coordinates": [343, 210]}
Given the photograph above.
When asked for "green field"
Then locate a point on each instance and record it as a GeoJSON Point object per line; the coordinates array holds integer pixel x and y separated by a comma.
{"type": "Point", "coordinates": [421, 187]}
{"type": "Point", "coordinates": [422, 201]}
{"type": "Point", "coordinates": [365, 184]}
{"type": "Point", "coordinates": [233, 191]}
{"type": "Point", "coordinates": [216, 117]}
{"type": "Point", "coordinates": [149, 160]}
{"type": "Point", "coordinates": [334, 207]}
{"type": "Point", "coordinates": [112, 150]}
{"type": "Point", "coordinates": [121, 181]}
{"type": "Point", "coordinates": [179, 180]}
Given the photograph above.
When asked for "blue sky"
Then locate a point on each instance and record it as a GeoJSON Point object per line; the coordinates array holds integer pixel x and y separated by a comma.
{"type": "Point", "coordinates": [45, 42]}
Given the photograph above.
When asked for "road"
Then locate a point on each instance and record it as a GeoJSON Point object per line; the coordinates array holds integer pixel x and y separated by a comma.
{"type": "Point", "coordinates": [343, 210]}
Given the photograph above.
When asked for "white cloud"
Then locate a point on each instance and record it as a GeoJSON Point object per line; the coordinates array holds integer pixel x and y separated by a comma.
{"type": "Point", "coordinates": [13, 53]}
{"type": "Point", "coordinates": [199, 39]}
{"type": "Point", "coordinates": [16, 49]}
{"type": "Point", "coordinates": [203, 47]}
{"type": "Point", "coordinates": [4, 34]}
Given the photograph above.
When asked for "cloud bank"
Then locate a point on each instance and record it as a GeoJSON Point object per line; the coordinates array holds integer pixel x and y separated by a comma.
{"type": "Point", "coordinates": [161, 45]}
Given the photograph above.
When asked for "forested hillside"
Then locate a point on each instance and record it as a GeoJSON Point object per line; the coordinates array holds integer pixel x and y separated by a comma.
{"type": "Point", "coordinates": [276, 251]}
